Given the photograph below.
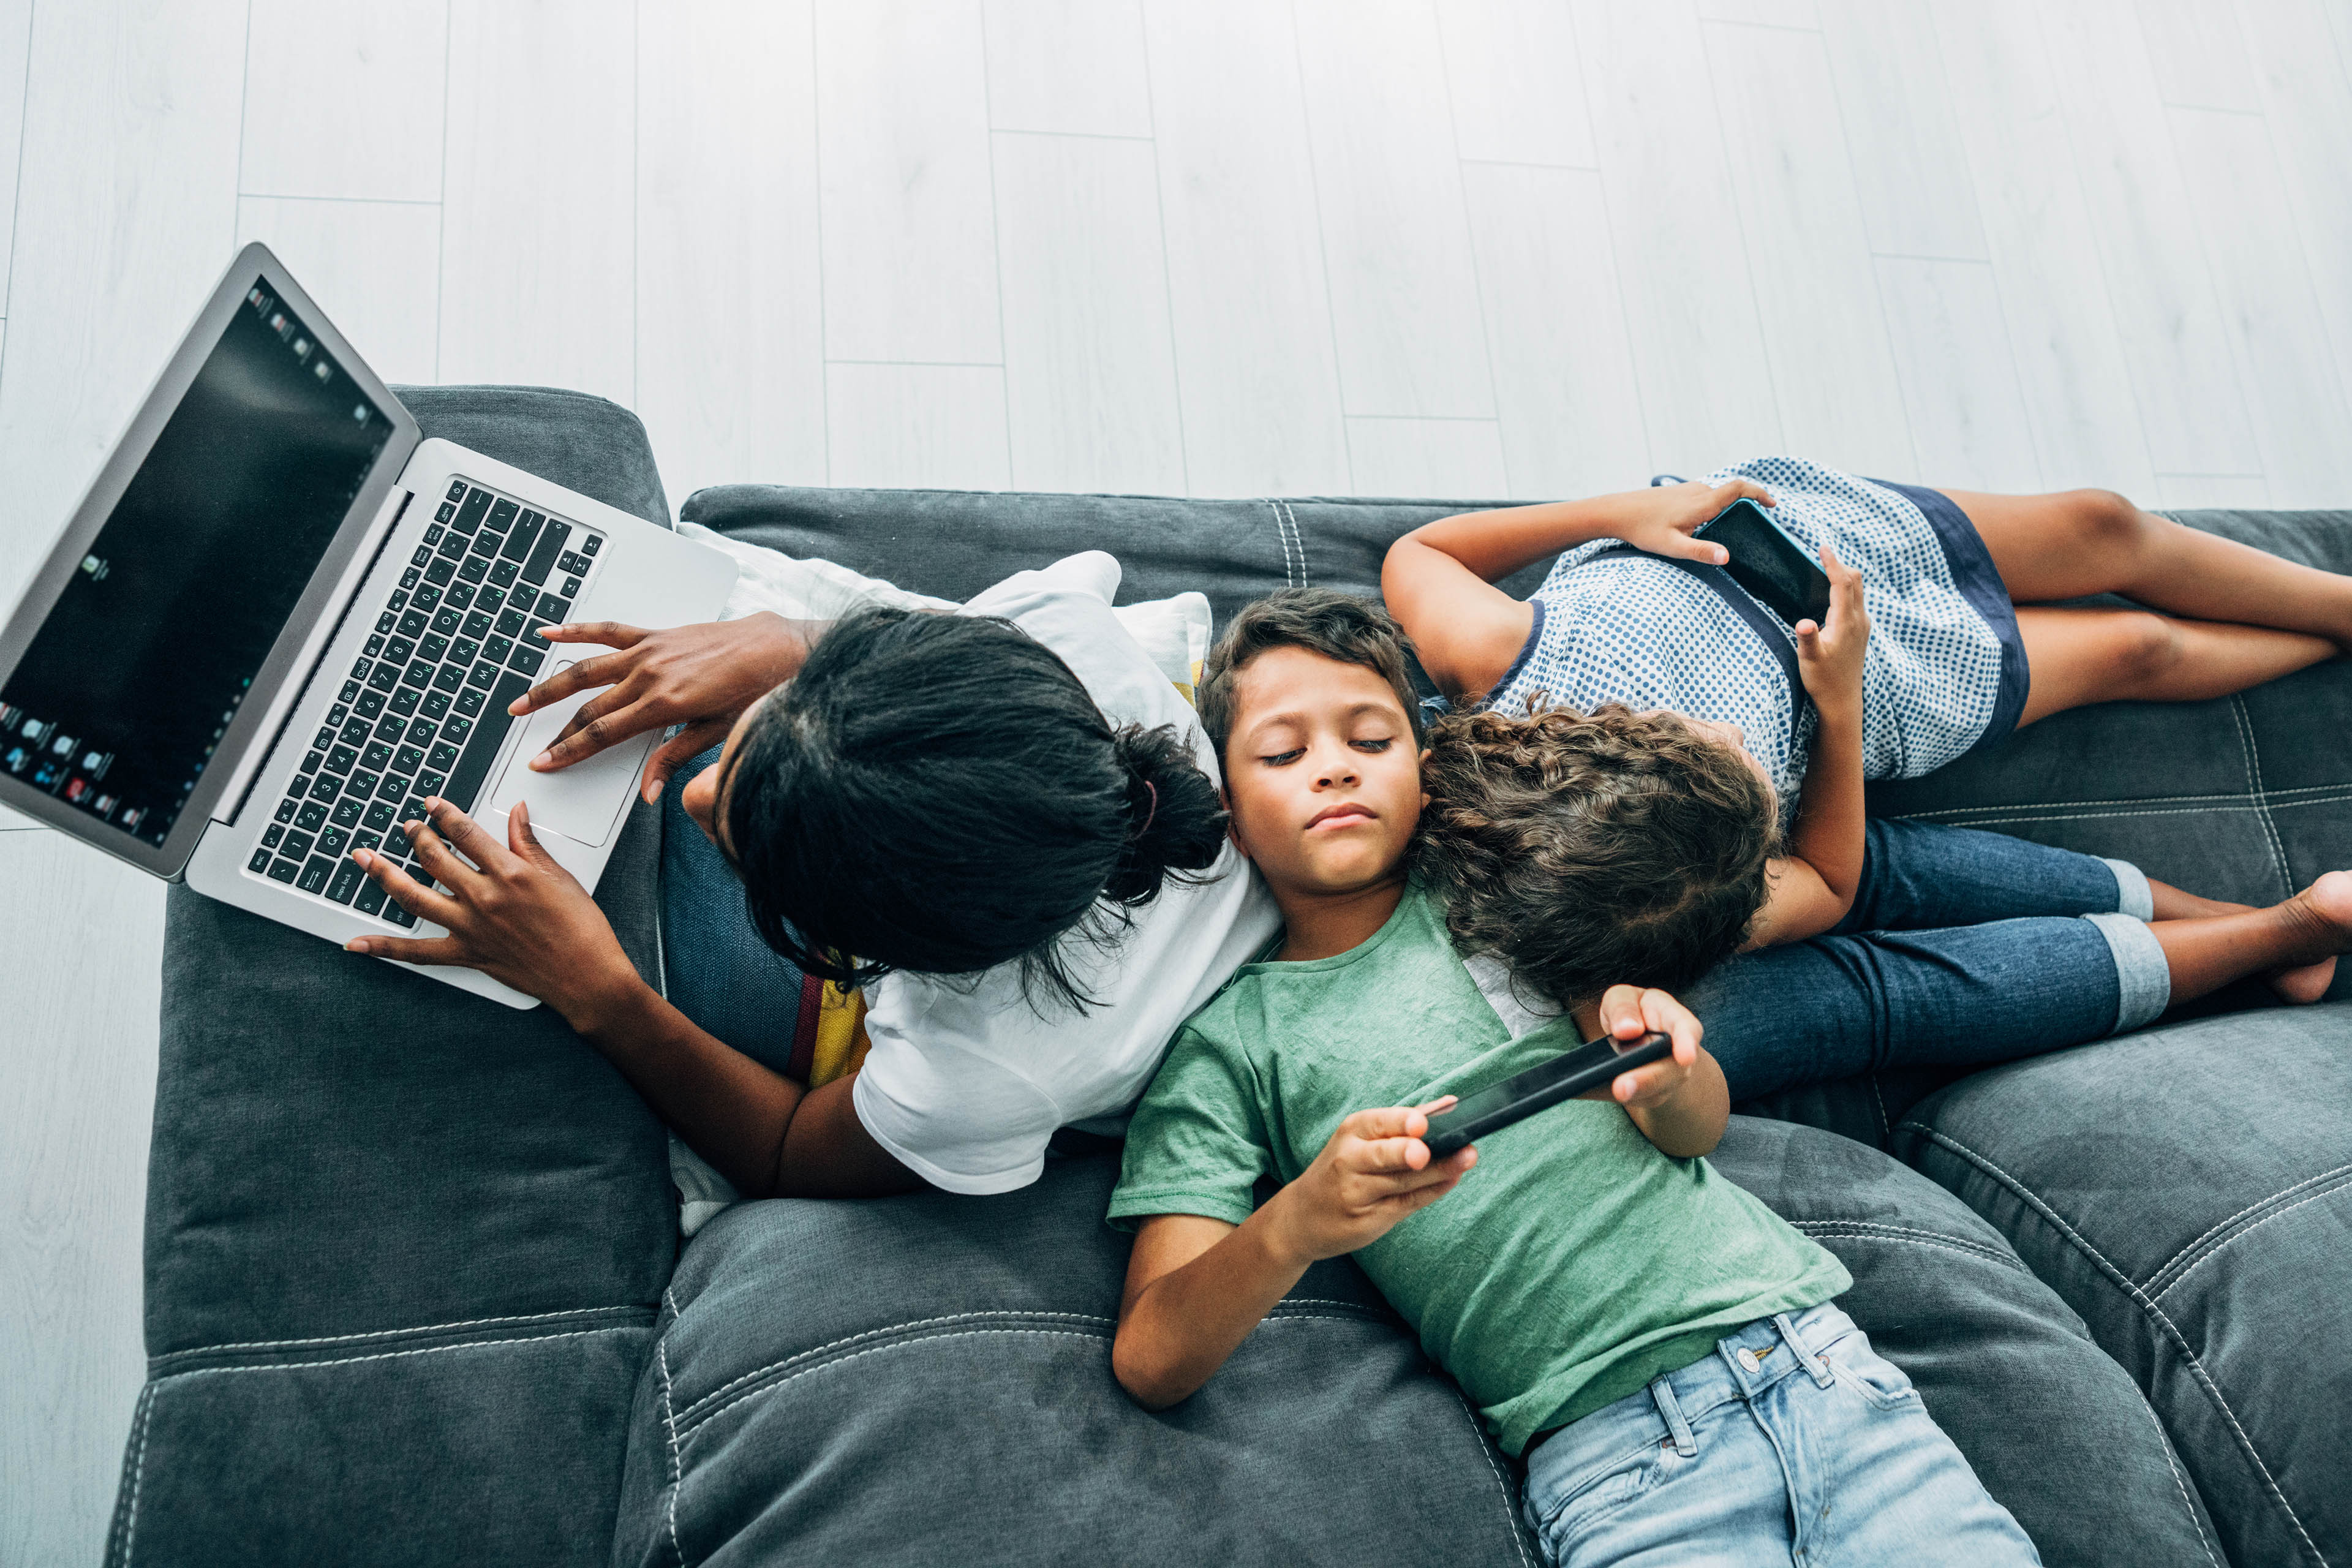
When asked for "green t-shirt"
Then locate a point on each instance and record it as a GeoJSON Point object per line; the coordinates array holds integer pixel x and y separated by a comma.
{"type": "Point", "coordinates": [1571, 1266]}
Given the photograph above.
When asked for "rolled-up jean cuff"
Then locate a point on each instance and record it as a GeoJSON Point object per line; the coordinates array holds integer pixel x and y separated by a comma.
{"type": "Point", "coordinates": [2133, 895]}
{"type": "Point", "coordinates": [2143, 978]}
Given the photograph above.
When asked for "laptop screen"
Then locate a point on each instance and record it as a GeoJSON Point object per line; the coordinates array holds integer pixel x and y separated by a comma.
{"type": "Point", "coordinates": [125, 691]}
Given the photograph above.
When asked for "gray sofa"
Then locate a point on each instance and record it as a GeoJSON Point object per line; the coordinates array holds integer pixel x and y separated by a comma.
{"type": "Point", "coordinates": [415, 1291]}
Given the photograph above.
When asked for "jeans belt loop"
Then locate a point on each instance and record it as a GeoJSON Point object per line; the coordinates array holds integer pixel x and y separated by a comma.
{"type": "Point", "coordinates": [1814, 1364]}
{"type": "Point", "coordinates": [1661, 1390]}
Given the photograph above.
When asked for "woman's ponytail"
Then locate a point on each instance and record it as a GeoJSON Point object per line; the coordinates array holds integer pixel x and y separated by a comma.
{"type": "Point", "coordinates": [1179, 825]}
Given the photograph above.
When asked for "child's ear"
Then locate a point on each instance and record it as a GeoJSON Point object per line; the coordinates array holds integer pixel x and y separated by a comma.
{"type": "Point", "coordinates": [1232, 823]}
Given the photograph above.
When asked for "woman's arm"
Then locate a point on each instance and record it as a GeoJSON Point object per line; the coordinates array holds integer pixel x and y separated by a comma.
{"type": "Point", "coordinates": [1196, 1286]}
{"type": "Point", "coordinates": [526, 921]}
{"type": "Point", "coordinates": [1812, 890]}
{"type": "Point", "coordinates": [1439, 579]}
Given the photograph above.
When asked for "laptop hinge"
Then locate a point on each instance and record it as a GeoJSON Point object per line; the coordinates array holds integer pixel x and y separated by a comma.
{"type": "Point", "coordinates": [322, 636]}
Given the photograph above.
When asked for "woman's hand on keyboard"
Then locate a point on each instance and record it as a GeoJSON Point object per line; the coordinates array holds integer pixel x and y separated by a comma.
{"type": "Point", "coordinates": [510, 911]}
{"type": "Point", "coordinates": [701, 676]}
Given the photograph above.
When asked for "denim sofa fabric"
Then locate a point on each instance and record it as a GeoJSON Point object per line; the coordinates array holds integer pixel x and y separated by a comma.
{"type": "Point", "coordinates": [2189, 1191]}
{"type": "Point", "coordinates": [927, 1379]}
{"type": "Point", "coordinates": [462, 1207]}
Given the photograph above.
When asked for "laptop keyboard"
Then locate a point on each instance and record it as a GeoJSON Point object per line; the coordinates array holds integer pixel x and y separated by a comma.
{"type": "Point", "coordinates": [424, 710]}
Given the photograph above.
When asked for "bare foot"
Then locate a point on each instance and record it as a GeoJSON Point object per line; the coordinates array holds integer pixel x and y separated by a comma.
{"type": "Point", "coordinates": [2330, 900]}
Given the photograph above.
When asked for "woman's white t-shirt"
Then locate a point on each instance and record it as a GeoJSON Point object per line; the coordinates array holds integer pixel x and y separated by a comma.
{"type": "Point", "coordinates": [965, 1083]}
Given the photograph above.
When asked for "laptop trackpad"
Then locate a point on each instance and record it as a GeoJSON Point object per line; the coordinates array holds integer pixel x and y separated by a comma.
{"type": "Point", "coordinates": [583, 801]}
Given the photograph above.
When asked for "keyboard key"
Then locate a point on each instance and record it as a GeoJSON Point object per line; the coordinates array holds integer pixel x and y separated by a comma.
{"type": "Point", "coordinates": [437, 705]}
{"type": "Point", "coordinates": [453, 546]}
{"type": "Point", "coordinates": [261, 861]}
{"type": "Point", "coordinates": [337, 713]}
{"type": "Point", "coordinates": [347, 812]}
{"type": "Point", "coordinates": [407, 580]}
{"type": "Point", "coordinates": [334, 841]}
{"type": "Point", "coordinates": [384, 676]}
{"type": "Point", "coordinates": [285, 809]}
{"type": "Point", "coordinates": [310, 763]}
{"type": "Point", "coordinates": [593, 543]}
{"type": "Point", "coordinates": [447, 511]}
{"type": "Point", "coordinates": [300, 787]}
{"type": "Point", "coordinates": [382, 624]}
{"type": "Point", "coordinates": [269, 839]}
{"type": "Point", "coordinates": [489, 600]}
{"type": "Point", "coordinates": [311, 817]}
{"type": "Point", "coordinates": [392, 788]}
{"type": "Point", "coordinates": [414, 811]}
{"type": "Point", "coordinates": [482, 747]}
{"type": "Point", "coordinates": [368, 839]}
{"type": "Point", "coordinates": [354, 731]}
{"type": "Point", "coordinates": [440, 571]}
{"type": "Point", "coordinates": [371, 898]}
{"type": "Point", "coordinates": [421, 733]}
{"type": "Point", "coordinates": [503, 572]}
{"type": "Point", "coordinates": [496, 649]}
{"type": "Point", "coordinates": [428, 600]}
{"type": "Point", "coordinates": [411, 626]}
{"type": "Point", "coordinates": [399, 916]}
{"type": "Point", "coordinates": [284, 871]}
{"type": "Point", "coordinates": [316, 873]}
{"type": "Point", "coordinates": [349, 879]}
{"type": "Point", "coordinates": [571, 564]}
{"type": "Point", "coordinates": [502, 516]}
{"type": "Point", "coordinates": [298, 844]}
{"type": "Point", "coordinates": [378, 756]}
{"type": "Point", "coordinates": [469, 516]}
{"type": "Point", "coordinates": [391, 729]}
{"type": "Point", "coordinates": [472, 571]}
{"type": "Point", "coordinates": [405, 699]}
{"type": "Point", "coordinates": [512, 624]}
{"type": "Point", "coordinates": [446, 621]}
{"type": "Point", "coordinates": [528, 658]}
{"type": "Point", "coordinates": [429, 784]}
{"type": "Point", "coordinates": [377, 820]}
{"type": "Point", "coordinates": [527, 530]}
{"type": "Point", "coordinates": [456, 730]}
{"type": "Point", "coordinates": [486, 545]}
{"type": "Point", "coordinates": [340, 759]}
{"type": "Point", "coordinates": [324, 739]}
{"type": "Point", "coordinates": [370, 703]}
{"type": "Point", "coordinates": [449, 677]}
{"type": "Point", "coordinates": [551, 608]}
{"type": "Point", "coordinates": [460, 594]}
{"type": "Point", "coordinates": [434, 645]}
{"type": "Point", "coordinates": [434, 534]}
{"type": "Point", "coordinates": [361, 668]}
{"type": "Point", "coordinates": [457, 489]}
{"type": "Point", "coordinates": [364, 783]}
{"type": "Point", "coordinates": [476, 626]}
{"type": "Point", "coordinates": [410, 759]}
{"type": "Point", "coordinates": [543, 555]}
{"type": "Point", "coordinates": [463, 650]}
{"type": "Point", "coordinates": [351, 692]}
{"type": "Point", "coordinates": [572, 587]}
{"type": "Point", "coordinates": [420, 674]}
{"type": "Point", "coordinates": [485, 675]}
{"type": "Point", "coordinates": [424, 553]}
{"type": "Point", "coordinates": [325, 788]}
{"type": "Point", "coordinates": [470, 702]}
{"type": "Point", "coordinates": [398, 650]}
{"type": "Point", "coordinates": [443, 758]}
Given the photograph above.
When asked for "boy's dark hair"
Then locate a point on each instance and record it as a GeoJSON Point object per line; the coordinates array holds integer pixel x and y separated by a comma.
{"type": "Point", "coordinates": [1591, 849]}
{"type": "Point", "coordinates": [1337, 625]}
{"type": "Point", "coordinates": [937, 794]}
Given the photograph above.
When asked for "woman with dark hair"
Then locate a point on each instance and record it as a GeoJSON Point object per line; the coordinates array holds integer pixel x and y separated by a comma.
{"type": "Point", "coordinates": [1003, 824]}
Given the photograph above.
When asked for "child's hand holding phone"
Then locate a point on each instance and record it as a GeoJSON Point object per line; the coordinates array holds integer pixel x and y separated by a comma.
{"type": "Point", "coordinates": [1375, 1171]}
{"type": "Point", "coordinates": [1662, 520]}
{"type": "Point", "coordinates": [1830, 657]}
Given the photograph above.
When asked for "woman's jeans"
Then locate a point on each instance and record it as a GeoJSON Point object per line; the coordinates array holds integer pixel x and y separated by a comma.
{"type": "Point", "coordinates": [1962, 948]}
{"type": "Point", "coordinates": [1794, 1439]}
{"type": "Point", "coordinates": [717, 970]}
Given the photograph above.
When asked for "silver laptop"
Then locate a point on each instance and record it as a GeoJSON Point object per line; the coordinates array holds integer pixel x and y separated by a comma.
{"type": "Point", "coordinates": [281, 618]}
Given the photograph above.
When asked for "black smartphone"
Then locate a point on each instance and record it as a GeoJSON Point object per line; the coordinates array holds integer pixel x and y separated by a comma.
{"type": "Point", "coordinates": [1769, 564]}
{"type": "Point", "coordinates": [1515, 1099]}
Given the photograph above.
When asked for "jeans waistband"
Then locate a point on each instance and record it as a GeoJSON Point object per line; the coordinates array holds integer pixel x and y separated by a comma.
{"type": "Point", "coordinates": [1743, 1364]}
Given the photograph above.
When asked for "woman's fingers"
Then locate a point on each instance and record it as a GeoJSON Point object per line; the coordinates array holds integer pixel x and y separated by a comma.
{"type": "Point", "coordinates": [581, 740]}
{"type": "Point", "coordinates": [604, 669]}
{"type": "Point", "coordinates": [610, 633]}
{"type": "Point", "coordinates": [407, 949]}
{"type": "Point", "coordinates": [408, 893]}
{"type": "Point", "coordinates": [679, 750]}
{"type": "Point", "coordinates": [1742, 490]}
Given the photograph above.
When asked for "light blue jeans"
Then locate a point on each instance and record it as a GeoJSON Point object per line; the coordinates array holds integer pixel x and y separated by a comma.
{"type": "Point", "coordinates": [1793, 1443]}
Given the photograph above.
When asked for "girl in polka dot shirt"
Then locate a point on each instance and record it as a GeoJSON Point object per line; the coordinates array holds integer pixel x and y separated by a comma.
{"type": "Point", "coordinates": [1958, 647]}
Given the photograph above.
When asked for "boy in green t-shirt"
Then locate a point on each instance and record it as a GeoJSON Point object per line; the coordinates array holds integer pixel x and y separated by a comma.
{"type": "Point", "coordinates": [1659, 1345]}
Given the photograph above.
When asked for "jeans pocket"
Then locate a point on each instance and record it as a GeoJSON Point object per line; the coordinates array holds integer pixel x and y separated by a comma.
{"type": "Point", "coordinates": [1858, 1367]}
{"type": "Point", "coordinates": [1600, 1492]}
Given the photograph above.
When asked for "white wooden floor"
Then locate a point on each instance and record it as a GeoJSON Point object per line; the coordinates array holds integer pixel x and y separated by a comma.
{"type": "Point", "coordinates": [1475, 247]}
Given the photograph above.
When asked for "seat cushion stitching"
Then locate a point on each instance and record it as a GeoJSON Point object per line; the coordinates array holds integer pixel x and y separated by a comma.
{"type": "Point", "coordinates": [383, 1333]}
{"type": "Point", "coordinates": [394, 1355]}
{"type": "Point", "coordinates": [1511, 1509]}
{"type": "Point", "coordinates": [676, 1470]}
{"type": "Point", "coordinates": [2205, 1379]}
{"type": "Point", "coordinates": [2262, 807]}
{"type": "Point", "coordinates": [2227, 1242]}
{"type": "Point", "coordinates": [2219, 1226]}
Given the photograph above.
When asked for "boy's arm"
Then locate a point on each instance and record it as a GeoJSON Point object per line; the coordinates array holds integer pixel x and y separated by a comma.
{"type": "Point", "coordinates": [525, 922]}
{"type": "Point", "coordinates": [1812, 890]}
{"type": "Point", "coordinates": [1438, 580]}
{"type": "Point", "coordinates": [1681, 1104]}
{"type": "Point", "coordinates": [1196, 1286]}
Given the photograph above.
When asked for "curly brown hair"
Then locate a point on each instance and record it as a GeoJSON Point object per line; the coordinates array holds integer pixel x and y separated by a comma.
{"type": "Point", "coordinates": [1592, 849]}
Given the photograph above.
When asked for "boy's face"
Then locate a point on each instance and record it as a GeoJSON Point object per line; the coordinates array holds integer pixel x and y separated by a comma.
{"type": "Point", "coordinates": [1320, 773]}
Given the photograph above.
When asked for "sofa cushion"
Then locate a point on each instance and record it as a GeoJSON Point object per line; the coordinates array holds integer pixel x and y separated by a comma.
{"type": "Point", "coordinates": [927, 1379]}
{"type": "Point", "coordinates": [2189, 1191]}
{"type": "Point", "coordinates": [366, 1187]}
